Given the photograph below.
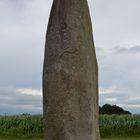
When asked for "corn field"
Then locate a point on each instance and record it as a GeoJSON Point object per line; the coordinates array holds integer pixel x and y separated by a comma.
{"type": "Point", "coordinates": [32, 126]}
{"type": "Point", "coordinates": [21, 125]}
{"type": "Point", "coordinates": [119, 125]}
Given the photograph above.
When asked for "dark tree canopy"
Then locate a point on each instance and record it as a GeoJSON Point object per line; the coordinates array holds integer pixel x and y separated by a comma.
{"type": "Point", "coordinates": [112, 109]}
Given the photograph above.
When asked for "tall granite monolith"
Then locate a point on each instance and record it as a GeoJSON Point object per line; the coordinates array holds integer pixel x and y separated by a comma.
{"type": "Point", "coordinates": [70, 75]}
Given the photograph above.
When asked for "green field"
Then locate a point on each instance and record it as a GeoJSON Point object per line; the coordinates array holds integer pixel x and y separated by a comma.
{"type": "Point", "coordinates": [119, 125]}
{"type": "Point", "coordinates": [2, 138]}
{"type": "Point", "coordinates": [131, 138]}
{"type": "Point", "coordinates": [112, 127]}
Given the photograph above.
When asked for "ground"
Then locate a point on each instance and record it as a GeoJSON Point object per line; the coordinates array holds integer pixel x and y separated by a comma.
{"type": "Point", "coordinates": [131, 138]}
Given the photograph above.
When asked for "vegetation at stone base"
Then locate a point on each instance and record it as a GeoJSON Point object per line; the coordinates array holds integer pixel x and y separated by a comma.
{"type": "Point", "coordinates": [17, 138]}
{"type": "Point", "coordinates": [119, 125]}
{"type": "Point", "coordinates": [31, 126]}
{"type": "Point", "coordinates": [129, 138]}
{"type": "Point", "coordinates": [112, 109]}
{"type": "Point", "coordinates": [21, 125]}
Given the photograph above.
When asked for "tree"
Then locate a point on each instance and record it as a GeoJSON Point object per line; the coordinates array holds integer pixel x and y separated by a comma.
{"type": "Point", "coordinates": [112, 109]}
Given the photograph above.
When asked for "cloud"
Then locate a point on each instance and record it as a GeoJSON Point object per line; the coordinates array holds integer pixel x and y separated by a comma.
{"type": "Point", "coordinates": [121, 96]}
{"type": "Point", "coordinates": [111, 100]}
{"type": "Point", "coordinates": [20, 100]}
{"type": "Point", "coordinates": [131, 50]}
{"type": "Point", "coordinates": [99, 49]}
{"type": "Point", "coordinates": [109, 90]}
{"type": "Point", "coordinates": [30, 91]}
{"type": "Point", "coordinates": [23, 27]}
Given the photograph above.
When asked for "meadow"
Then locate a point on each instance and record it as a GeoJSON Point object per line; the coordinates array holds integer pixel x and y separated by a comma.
{"type": "Point", "coordinates": [131, 138]}
{"type": "Point", "coordinates": [112, 127]}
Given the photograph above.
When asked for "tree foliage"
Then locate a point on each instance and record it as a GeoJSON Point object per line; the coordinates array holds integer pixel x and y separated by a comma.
{"type": "Point", "coordinates": [112, 109]}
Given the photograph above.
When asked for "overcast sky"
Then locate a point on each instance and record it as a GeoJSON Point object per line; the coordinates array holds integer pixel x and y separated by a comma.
{"type": "Point", "coordinates": [23, 25]}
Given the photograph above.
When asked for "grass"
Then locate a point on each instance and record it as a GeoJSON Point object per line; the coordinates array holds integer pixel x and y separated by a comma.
{"type": "Point", "coordinates": [21, 126]}
{"type": "Point", "coordinates": [112, 127]}
{"type": "Point", "coordinates": [119, 125]}
{"type": "Point", "coordinates": [131, 138]}
{"type": "Point", "coordinates": [8, 138]}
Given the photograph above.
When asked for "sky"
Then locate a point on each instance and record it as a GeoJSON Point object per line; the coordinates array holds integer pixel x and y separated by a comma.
{"type": "Point", "coordinates": [116, 33]}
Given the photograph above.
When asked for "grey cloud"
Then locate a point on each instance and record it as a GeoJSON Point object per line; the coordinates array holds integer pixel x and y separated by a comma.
{"type": "Point", "coordinates": [124, 99]}
{"type": "Point", "coordinates": [23, 25]}
{"type": "Point", "coordinates": [99, 53]}
{"type": "Point", "coordinates": [10, 110]}
{"type": "Point", "coordinates": [11, 100]}
{"type": "Point", "coordinates": [119, 98]}
{"type": "Point", "coordinates": [123, 50]}
{"type": "Point", "coordinates": [129, 105]}
{"type": "Point", "coordinates": [99, 49]}
{"type": "Point", "coordinates": [132, 102]}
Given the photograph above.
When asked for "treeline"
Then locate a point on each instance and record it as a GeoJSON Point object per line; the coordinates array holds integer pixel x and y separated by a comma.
{"type": "Point", "coordinates": [112, 109]}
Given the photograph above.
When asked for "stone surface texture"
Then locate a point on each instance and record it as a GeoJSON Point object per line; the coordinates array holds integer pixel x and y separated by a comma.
{"type": "Point", "coordinates": [70, 74]}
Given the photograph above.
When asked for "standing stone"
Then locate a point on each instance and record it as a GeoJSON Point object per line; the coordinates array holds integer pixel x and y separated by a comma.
{"type": "Point", "coordinates": [70, 75]}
